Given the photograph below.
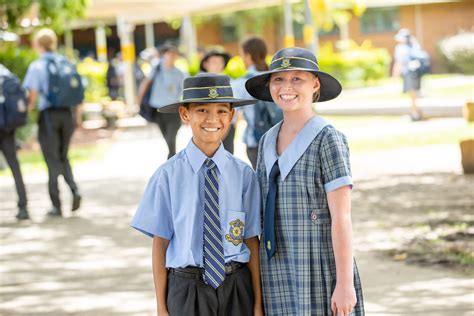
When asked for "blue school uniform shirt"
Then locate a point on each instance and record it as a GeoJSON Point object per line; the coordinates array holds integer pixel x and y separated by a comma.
{"type": "Point", "coordinates": [167, 86]}
{"type": "Point", "coordinates": [296, 149]}
{"type": "Point", "coordinates": [37, 79]}
{"type": "Point", "coordinates": [173, 203]}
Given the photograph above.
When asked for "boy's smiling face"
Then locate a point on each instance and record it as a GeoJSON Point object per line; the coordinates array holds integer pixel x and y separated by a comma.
{"type": "Point", "coordinates": [209, 123]}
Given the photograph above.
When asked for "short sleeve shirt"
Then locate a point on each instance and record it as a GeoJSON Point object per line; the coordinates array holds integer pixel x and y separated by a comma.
{"type": "Point", "coordinates": [173, 203]}
{"type": "Point", "coordinates": [36, 79]}
{"type": "Point", "coordinates": [166, 87]}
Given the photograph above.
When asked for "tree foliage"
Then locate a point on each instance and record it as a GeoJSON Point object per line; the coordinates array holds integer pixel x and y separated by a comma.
{"type": "Point", "coordinates": [31, 13]}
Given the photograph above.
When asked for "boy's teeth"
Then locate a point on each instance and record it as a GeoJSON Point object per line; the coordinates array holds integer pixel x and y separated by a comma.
{"type": "Point", "coordinates": [208, 129]}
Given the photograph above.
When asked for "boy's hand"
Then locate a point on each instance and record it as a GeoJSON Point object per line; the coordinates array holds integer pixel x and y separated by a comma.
{"type": "Point", "coordinates": [163, 312]}
{"type": "Point", "coordinates": [343, 300]}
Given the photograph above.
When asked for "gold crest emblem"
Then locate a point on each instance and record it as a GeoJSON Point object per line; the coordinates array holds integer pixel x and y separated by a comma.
{"type": "Point", "coordinates": [235, 235]}
{"type": "Point", "coordinates": [213, 93]}
{"type": "Point", "coordinates": [285, 63]}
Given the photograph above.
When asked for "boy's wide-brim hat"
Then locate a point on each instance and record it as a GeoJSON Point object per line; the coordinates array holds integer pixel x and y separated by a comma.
{"type": "Point", "coordinates": [206, 88]}
{"type": "Point", "coordinates": [211, 53]}
{"type": "Point", "coordinates": [291, 59]}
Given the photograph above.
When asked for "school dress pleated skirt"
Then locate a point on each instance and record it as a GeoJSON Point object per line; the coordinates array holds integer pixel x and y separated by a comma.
{"type": "Point", "coordinates": [301, 276]}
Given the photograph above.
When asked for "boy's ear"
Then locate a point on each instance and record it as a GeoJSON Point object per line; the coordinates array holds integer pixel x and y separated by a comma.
{"type": "Point", "coordinates": [184, 114]}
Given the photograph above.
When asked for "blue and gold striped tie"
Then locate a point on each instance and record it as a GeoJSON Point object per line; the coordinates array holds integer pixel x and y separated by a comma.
{"type": "Point", "coordinates": [214, 264]}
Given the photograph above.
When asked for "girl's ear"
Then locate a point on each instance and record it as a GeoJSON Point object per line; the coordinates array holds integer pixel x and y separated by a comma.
{"type": "Point", "coordinates": [184, 114]}
{"type": "Point", "coordinates": [317, 85]}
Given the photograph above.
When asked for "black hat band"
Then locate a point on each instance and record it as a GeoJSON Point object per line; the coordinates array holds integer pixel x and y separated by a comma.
{"type": "Point", "coordinates": [207, 93]}
{"type": "Point", "coordinates": [293, 62]}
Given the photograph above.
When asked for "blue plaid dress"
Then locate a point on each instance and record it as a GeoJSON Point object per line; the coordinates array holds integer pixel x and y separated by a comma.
{"type": "Point", "coordinates": [301, 277]}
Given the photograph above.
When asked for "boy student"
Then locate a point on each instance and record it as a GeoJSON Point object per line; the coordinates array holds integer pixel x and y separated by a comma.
{"type": "Point", "coordinates": [202, 209]}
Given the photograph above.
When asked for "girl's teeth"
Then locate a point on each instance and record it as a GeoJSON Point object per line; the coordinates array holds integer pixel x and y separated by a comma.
{"type": "Point", "coordinates": [287, 97]}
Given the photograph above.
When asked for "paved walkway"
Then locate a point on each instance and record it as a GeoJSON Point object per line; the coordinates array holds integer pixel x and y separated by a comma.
{"type": "Point", "coordinates": [93, 263]}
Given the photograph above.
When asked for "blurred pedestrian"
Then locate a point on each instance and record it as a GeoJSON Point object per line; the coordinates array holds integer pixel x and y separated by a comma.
{"type": "Point", "coordinates": [13, 114]}
{"type": "Point", "coordinates": [55, 84]}
{"type": "Point", "coordinates": [164, 86]}
{"type": "Point", "coordinates": [411, 63]}
{"type": "Point", "coordinates": [215, 61]}
{"type": "Point", "coordinates": [262, 115]}
{"type": "Point", "coordinates": [307, 261]}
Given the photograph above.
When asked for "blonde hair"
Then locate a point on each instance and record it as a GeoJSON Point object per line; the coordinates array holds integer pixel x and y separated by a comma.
{"type": "Point", "coordinates": [46, 39]}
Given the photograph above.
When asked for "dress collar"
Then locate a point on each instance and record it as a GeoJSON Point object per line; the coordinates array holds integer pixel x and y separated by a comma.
{"type": "Point", "coordinates": [295, 149]}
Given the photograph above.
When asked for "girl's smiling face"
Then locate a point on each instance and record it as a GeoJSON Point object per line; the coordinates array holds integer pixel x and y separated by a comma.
{"type": "Point", "coordinates": [293, 90]}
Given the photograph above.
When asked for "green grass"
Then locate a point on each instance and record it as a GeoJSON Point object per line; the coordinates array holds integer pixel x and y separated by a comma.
{"type": "Point", "coordinates": [31, 161]}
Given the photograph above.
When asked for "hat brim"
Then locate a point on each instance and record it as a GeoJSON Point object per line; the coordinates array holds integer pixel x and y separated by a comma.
{"type": "Point", "coordinates": [257, 86]}
{"type": "Point", "coordinates": [173, 108]}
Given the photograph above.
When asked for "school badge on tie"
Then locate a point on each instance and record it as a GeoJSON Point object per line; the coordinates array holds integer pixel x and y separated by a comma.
{"type": "Point", "coordinates": [235, 232]}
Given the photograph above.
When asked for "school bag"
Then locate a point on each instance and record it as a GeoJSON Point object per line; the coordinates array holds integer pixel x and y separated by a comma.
{"type": "Point", "coordinates": [419, 62]}
{"type": "Point", "coordinates": [65, 87]}
{"type": "Point", "coordinates": [13, 101]}
{"type": "Point", "coordinates": [146, 110]}
{"type": "Point", "coordinates": [267, 114]}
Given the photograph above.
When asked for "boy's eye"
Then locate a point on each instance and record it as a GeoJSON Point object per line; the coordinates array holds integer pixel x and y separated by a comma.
{"type": "Point", "coordinates": [296, 78]}
{"type": "Point", "coordinates": [201, 110]}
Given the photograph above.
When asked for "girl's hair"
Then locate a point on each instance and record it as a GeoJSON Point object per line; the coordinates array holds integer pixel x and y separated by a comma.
{"type": "Point", "coordinates": [257, 49]}
{"type": "Point", "coordinates": [46, 39]}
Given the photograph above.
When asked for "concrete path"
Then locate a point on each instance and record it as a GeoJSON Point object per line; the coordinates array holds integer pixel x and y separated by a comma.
{"type": "Point", "coordinates": [93, 263]}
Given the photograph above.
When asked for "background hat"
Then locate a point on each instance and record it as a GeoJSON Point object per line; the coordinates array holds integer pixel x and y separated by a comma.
{"type": "Point", "coordinates": [214, 53]}
{"type": "Point", "coordinates": [289, 59]}
{"type": "Point", "coordinates": [166, 48]}
{"type": "Point", "coordinates": [206, 88]}
{"type": "Point", "coordinates": [402, 35]}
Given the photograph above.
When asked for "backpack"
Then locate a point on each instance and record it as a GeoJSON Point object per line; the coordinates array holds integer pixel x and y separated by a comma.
{"type": "Point", "coordinates": [65, 88]}
{"type": "Point", "coordinates": [267, 114]}
{"type": "Point", "coordinates": [13, 102]}
{"type": "Point", "coordinates": [146, 110]}
{"type": "Point", "coordinates": [419, 62]}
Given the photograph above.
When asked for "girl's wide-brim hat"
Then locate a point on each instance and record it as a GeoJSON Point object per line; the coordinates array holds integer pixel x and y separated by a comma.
{"type": "Point", "coordinates": [206, 88]}
{"type": "Point", "coordinates": [291, 59]}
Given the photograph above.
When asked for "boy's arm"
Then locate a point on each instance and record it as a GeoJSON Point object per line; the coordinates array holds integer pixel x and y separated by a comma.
{"type": "Point", "coordinates": [254, 266]}
{"type": "Point", "coordinates": [160, 273]}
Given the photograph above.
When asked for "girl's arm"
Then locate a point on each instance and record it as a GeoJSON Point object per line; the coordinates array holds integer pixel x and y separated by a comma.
{"type": "Point", "coordinates": [160, 273]}
{"type": "Point", "coordinates": [344, 297]}
{"type": "Point", "coordinates": [254, 266]}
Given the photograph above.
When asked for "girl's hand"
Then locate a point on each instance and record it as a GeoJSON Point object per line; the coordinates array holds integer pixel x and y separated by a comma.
{"type": "Point", "coordinates": [258, 311]}
{"type": "Point", "coordinates": [343, 300]}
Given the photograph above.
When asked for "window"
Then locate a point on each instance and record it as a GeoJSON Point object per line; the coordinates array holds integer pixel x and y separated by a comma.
{"type": "Point", "coordinates": [380, 20]}
{"type": "Point", "coordinates": [229, 33]}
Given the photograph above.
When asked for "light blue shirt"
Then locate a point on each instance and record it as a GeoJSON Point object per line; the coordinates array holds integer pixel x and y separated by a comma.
{"type": "Point", "coordinates": [402, 55]}
{"type": "Point", "coordinates": [173, 203]}
{"type": "Point", "coordinates": [37, 79]}
{"type": "Point", "coordinates": [238, 87]}
{"type": "Point", "coordinates": [296, 149]}
{"type": "Point", "coordinates": [167, 87]}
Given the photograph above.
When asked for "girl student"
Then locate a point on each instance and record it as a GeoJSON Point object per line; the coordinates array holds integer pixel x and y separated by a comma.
{"type": "Point", "coordinates": [307, 262]}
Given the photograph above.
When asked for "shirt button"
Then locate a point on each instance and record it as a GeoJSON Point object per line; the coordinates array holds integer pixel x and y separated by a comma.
{"type": "Point", "coordinates": [269, 245]}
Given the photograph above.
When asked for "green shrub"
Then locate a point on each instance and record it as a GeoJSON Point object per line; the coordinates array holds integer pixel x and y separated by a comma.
{"type": "Point", "coordinates": [458, 53]}
{"type": "Point", "coordinates": [356, 65]}
{"type": "Point", "coordinates": [17, 59]}
{"type": "Point", "coordinates": [95, 74]}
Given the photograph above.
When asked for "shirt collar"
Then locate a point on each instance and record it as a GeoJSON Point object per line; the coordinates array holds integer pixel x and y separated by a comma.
{"type": "Point", "coordinates": [46, 55]}
{"type": "Point", "coordinates": [295, 150]}
{"type": "Point", "coordinates": [197, 158]}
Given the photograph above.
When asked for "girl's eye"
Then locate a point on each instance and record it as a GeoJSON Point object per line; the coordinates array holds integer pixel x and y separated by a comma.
{"type": "Point", "coordinates": [277, 79]}
{"type": "Point", "coordinates": [296, 78]}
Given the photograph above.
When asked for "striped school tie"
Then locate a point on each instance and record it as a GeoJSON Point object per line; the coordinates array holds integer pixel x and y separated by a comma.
{"type": "Point", "coordinates": [214, 263]}
{"type": "Point", "coordinates": [269, 218]}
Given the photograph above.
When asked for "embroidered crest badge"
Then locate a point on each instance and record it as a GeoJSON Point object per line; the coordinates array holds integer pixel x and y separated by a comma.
{"type": "Point", "coordinates": [285, 63]}
{"type": "Point", "coordinates": [235, 234]}
{"type": "Point", "coordinates": [213, 93]}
